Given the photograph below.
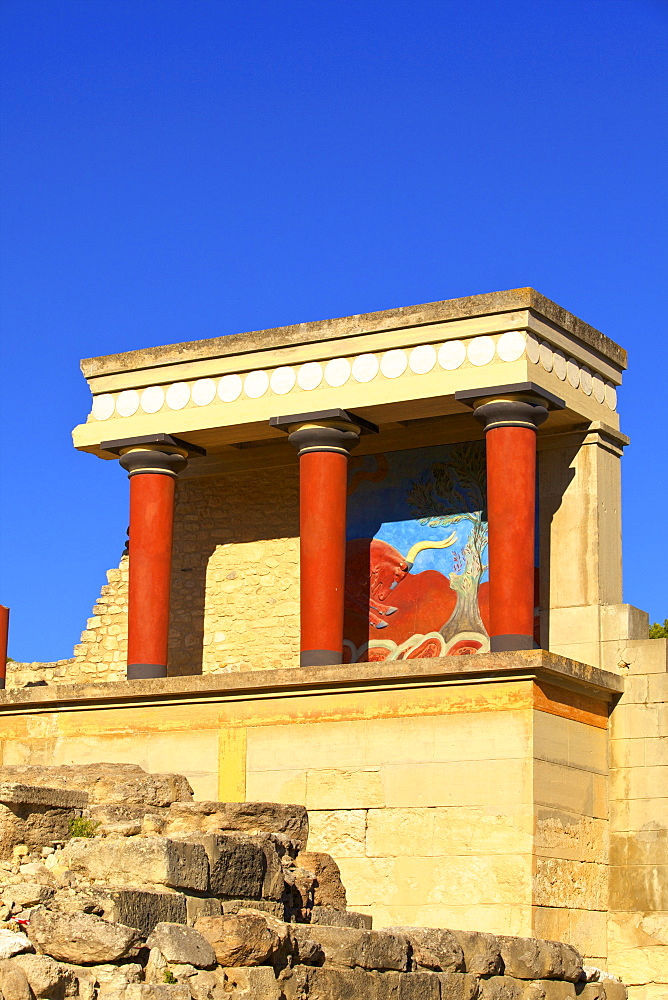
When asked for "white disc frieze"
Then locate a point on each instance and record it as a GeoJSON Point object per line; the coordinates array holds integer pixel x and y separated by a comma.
{"type": "Point", "coordinates": [310, 375]}
{"type": "Point", "coordinates": [229, 388]}
{"type": "Point", "coordinates": [152, 399]}
{"type": "Point", "coordinates": [598, 388]}
{"type": "Point", "coordinates": [103, 406]}
{"type": "Point", "coordinates": [422, 359]}
{"type": "Point", "coordinates": [178, 395]}
{"type": "Point", "coordinates": [585, 381]}
{"type": "Point", "coordinates": [282, 380]}
{"type": "Point", "coordinates": [573, 372]}
{"type": "Point", "coordinates": [451, 355]}
{"type": "Point", "coordinates": [256, 384]}
{"type": "Point", "coordinates": [480, 351]}
{"type": "Point", "coordinates": [127, 403]}
{"type": "Point", "coordinates": [394, 363]}
{"type": "Point", "coordinates": [510, 345]}
{"type": "Point", "coordinates": [546, 357]}
{"type": "Point", "coordinates": [365, 368]}
{"type": "Point", "coordinates": [533, 349]}
{"type": "Point", "coordinates": [337, 372]}
{"type": "Point", "coordinates": [610, 395]}
{"type": "Point", "coordinates": [559, 365]}
{"type": "Point", "coordinates": [204, 391]}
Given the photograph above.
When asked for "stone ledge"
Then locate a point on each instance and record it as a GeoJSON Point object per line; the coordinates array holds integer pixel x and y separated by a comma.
{"type": "Point", "coordinates": [350, 326]}
{"type": "Point", "coordinates": [532, 664]}
{"type": "Point", "coordinates": [58, 798]}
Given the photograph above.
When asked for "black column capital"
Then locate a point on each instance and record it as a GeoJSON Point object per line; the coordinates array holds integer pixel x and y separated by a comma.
{"type": "Point", "coordinates": [161, 454]}
{"type": "Point", "coordinates": [324, 430]}
{"type": "Point", "coordinates": [137, 461]}
{"type": "Point", "coordinates": [308, 437]}
{"type": "Point", "coordinates": [510, 413]}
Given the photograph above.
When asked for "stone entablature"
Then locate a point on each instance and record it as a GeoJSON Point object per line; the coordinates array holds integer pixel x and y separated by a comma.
{"type": "Point", "coordinates": [389, 366]}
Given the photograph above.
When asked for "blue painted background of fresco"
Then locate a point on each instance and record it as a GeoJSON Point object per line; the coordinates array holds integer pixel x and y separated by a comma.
{"type": "Point", "coordinates": [381, 509]}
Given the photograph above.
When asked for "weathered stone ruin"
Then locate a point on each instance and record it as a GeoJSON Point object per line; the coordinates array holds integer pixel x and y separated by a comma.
{"type": "Point", "coordinates": [116, 885]}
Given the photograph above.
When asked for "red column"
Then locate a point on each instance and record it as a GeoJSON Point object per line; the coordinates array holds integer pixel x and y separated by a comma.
{"type": "Point", "coordinates": [152, 474]}
{"type": "Point", "coordinates": [510, 435]}
{"type": "Point", "coordinates": [323, 467]}
{"type": "Point", "coordinates": [4, 635]}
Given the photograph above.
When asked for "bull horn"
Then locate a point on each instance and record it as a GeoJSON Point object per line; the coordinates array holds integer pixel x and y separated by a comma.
{"type": "Point", "coordinates": [414, 550]}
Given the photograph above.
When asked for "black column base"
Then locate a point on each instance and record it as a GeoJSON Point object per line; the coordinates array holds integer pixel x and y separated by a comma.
{"type": "Point", "coordinates": [319, 657]}
{"type": "Point", "coordinates": [142, 671]}
{"type": "Point", "coordinates": [2, 683]}
{"type": "Point", "coordinates": [510, 642]}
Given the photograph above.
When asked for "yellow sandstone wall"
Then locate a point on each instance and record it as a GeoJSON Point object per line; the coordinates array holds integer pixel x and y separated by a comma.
{"type": "Point", "coordinates": [638, 924]}
{"type": "Point", "coordinates": [479, 805]}
{"type": "Point", "coordinates": [235, 582]}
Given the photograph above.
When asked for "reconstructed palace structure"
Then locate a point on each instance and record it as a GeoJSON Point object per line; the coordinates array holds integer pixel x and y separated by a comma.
{"type": "Point", "coordinates": [375, 569]}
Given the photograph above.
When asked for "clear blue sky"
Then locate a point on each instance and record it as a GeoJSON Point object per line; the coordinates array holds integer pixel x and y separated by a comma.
{"type": "Point", "coordinates": [178, 169]}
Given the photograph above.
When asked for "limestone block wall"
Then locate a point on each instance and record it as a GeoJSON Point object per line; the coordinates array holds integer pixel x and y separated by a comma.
{"type": "Point", "coordinates": [571, 827]}
{"type": "Point", "coordinates": [472, 803]}
{"type": "Point", "coordinates": [638, 923]}
{"type": "Point", "coordinates": [489, 814]}
{"type": "Point", "coordinates": [235, 582]}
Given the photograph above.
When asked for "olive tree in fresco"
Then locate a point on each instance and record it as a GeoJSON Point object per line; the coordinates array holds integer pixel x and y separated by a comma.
{"type": "Point", "coordinates": [447, 495]}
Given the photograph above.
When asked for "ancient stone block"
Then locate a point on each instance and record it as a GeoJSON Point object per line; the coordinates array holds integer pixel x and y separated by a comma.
{"type": "Point", "coordinates": [251, 817]}
{"type": "Point", "coordinates": [152, 860]}
{"type": "Point", "coordinates": [240, 938]}
{"type": "Point", "coordinates": [330, 983]}
{"type": "Point", "coordinates": [201, 906]}
{"type": "Point", "coordinates": [35, 816]}
{"type": "Point", "coordinates": [342, 832]}
{"type": "Point", "coordinates": [12, 943]}
{"type": "Point", "coordinates": [482, 954]}
{"type": "Point", "coordinates": [529, 958]}
{"type": "Point", "coordinates": [549, 989]}
{"type": "Point", "coordinates": [47, 978]}
{"type": "Point", "coordinates": [154, 991]}
{"type": "Point", "coordinates": [269, 906]}
{"type": "Point", "coordinates": [458, 985]}
{"type": "Point", "coordinates": [14, 982]}
{"type": "Point", "coordinates": [329, 889]}
{"type": "Point", "coordinates": [182, 944]}
{"type": "Point", "coordinates": [500, 988]}
{"type": "Point", "coordinates": [237, 866]}
{"type": "Point", "coordinates": [81, 938]}
{"type": "Point", "coordinates": [247, 983]}
{"type": "Point", "coordinates": [143, 909]}
{"type": "Point", "coordinates": [341, 918]}
{"type": "Point", "coordinates": [123, 783]}
{"type": "Point", "coordinates": [16, 793]}
{"type": "Point", "coordinates": [439, 949]}
{"type": "Point", "coordinates": [346, 946]}
{"type": "Point", "coordinates": [27, 894]}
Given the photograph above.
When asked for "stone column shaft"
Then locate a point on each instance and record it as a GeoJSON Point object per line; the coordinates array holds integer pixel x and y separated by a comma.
{"type": "Point", "coordinates": [152, 477]}
{"type": "Point", "coordinates": [323, 442]}
{"type": "Point", "coordinates": [510, 439]}
{"type": "Point", "coordinates": [323, 479]}
{"type": "Point", "coordinates": [4, 635]}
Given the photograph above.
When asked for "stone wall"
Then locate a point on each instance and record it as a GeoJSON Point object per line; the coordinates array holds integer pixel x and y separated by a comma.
{"type": "Point", "coordinates": [235, 582]}
{"type": "Point", "coordinates": [638, 921]}
{"type": "Point", "coordinates": [446, 801]}
{"type": "Point", "coordinates": [116, 885]}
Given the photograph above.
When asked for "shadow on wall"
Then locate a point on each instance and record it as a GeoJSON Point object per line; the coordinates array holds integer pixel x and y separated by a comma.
{"type": "Point", "coordinates": [232, 566]}
{"type": "Point", "coordinates": [555, 474]}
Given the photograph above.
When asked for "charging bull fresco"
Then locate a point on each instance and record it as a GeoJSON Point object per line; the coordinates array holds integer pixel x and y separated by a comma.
{"type": "Point", "coordinates": [416, 558]}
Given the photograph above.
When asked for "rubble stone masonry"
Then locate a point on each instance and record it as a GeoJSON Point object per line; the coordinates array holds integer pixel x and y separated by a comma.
{"type": "Point", "coordinates": [235, 586]}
